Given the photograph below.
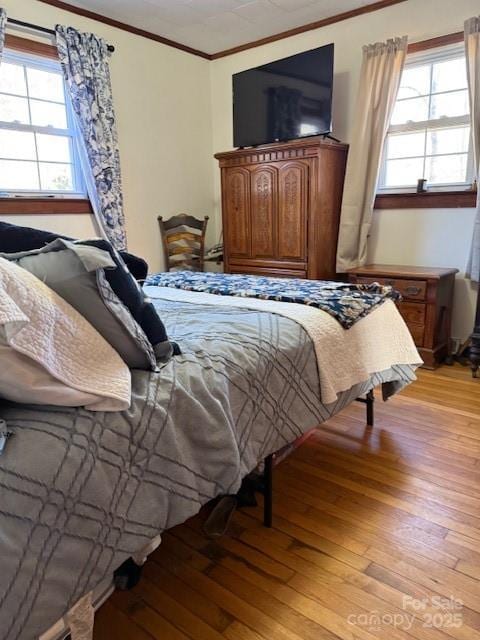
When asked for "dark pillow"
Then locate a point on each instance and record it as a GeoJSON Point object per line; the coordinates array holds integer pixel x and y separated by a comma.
{"type": "Point", "coordinates": [14, 238]}
{"type": "Point", "coordinates": [134, 298]}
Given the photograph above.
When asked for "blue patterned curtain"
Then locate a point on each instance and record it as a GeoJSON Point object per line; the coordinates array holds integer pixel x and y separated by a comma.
{"type": "Point", "coordinates": [84, 59]}
{"type": "Point", "coordinates": [3, 25]}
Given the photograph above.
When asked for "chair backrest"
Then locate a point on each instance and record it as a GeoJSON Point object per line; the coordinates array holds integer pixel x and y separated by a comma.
{"type": "Point", "coordinates": [183, 239]}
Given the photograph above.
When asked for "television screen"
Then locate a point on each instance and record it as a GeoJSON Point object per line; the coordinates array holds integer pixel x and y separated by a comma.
{"type": "Point", "coordinates": [285, 99]}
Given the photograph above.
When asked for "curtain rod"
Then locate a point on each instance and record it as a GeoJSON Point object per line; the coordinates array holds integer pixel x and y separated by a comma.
{"type": "Point", "coordinates": [36, 27]}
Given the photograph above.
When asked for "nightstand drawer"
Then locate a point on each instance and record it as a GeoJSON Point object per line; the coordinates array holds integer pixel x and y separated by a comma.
{"type": "Point", "coordinates": [413, 312]}
{"type": "Point", "coordinates": [418, 333]}
{"type": "Point", "coordinates": [410, 289]}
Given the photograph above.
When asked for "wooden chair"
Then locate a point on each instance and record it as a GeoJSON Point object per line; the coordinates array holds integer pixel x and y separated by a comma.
{"type": "Point", "coordinates": [183, 238]}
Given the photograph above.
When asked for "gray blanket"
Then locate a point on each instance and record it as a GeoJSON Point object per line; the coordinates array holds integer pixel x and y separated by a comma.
{"type": "Point", "coordinates": [81, 491]}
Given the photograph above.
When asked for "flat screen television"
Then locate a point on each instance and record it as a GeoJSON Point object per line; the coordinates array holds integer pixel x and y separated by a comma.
{"type": "Point", "coordinates": [283, 100]}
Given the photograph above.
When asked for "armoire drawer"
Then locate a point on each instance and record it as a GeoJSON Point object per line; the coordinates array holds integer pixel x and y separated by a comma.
{"type": "Point", "coordinates": [263, 271]}
{"type": "Point", "coordinates": [267, 263]}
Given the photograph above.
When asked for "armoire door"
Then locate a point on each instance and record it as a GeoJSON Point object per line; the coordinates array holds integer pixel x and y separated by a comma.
{"type": "Point", "coordinates": [236, 206]}
{"type": "Point", "coordinates": [293, 184]}
{"type": "Point", "coordinates": [263, 190]}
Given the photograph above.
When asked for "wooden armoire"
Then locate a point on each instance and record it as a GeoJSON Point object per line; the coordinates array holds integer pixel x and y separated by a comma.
{"type": "Point", "coordinates": [281, 208]}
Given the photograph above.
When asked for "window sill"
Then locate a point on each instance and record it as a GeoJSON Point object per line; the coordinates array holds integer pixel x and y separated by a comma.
{"type": "Point", "coordinates": [45, 206]}
{"type": "Point", "coordinates": [426, 200]}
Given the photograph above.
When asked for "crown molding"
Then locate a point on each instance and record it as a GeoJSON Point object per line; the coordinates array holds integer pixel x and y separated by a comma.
{"type": "Point", "coordinates": [339, 17]}
{"type": "Point", "coordinates": [98, 17]}
{"type": "Point", "coordinates": [375, 6]}
{"type": "Point", "coordinates": [413, 47]}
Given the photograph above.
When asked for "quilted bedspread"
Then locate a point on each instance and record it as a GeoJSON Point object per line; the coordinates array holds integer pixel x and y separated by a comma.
{"type": "Point", "coordinates": [82, 491]}
{"type": "Point", "coordinates": [347, 303]}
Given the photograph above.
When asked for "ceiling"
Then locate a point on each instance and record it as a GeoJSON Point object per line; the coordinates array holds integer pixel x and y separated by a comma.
{"type": "Point", "coordinates": [216, 25]}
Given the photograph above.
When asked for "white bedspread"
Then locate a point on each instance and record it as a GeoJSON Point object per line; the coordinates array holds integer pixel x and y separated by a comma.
{"type": "Point", "coordinates": [62, 360]}
{"type": "Point", "coordinates": [345, 357]}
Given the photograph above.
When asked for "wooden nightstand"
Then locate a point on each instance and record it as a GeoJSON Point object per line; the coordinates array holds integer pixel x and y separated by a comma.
{"type": "Point", "coordinates": [426, 306]}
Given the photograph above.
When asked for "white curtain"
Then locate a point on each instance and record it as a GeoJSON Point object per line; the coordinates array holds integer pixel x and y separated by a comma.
{"type": "Point", "coordinates": [472, 52]}
{"type": "Point", "coordinates": [3, 26]}
{"type": "Point", "coordinates": [380, 75]}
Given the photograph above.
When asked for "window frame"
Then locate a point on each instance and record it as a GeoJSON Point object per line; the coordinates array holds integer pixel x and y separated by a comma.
{"type": "Point", "coordinates": [438, 49]}
{"type": "Point", "coordinates": [19, 54]}
{"type": "Point", "coordinates": [41, 205]}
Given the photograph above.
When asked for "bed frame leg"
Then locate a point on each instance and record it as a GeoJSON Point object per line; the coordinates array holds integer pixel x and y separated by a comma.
{"type": "Point", "coordinates": [268, 491]}
{"type": "Point", "coordinates": [127, 575]}
{"type": "Point", "coordinates": [370, 401]}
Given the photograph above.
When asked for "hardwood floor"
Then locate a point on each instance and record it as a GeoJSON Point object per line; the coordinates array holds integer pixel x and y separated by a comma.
{"type": "Point", "coordinates": [376, 536]}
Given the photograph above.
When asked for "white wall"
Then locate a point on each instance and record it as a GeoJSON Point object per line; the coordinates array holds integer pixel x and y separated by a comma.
{"type": "Point", "coordinates": [162, 102]}
{"type": "Point", "coordinates": [429, 237]}
{"type": "Point", "coordinates": [422, 237]}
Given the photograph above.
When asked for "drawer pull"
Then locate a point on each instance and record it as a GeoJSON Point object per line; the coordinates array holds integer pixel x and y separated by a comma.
{"type": "Point", "coordinates": [413, 291]}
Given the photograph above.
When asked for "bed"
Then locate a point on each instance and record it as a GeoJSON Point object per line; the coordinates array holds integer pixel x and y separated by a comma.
{"type": "Point", "coordinates": [81, 492]}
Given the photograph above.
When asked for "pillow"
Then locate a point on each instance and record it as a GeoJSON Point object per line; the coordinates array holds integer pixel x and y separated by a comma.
{"type": "Point", "coordinates": [134, 298]}
{"type": "Point", "coordinates": [50, 354]}
{"type": "Point", "coordinates": [77, 272]}
{"type": "Point", "coordinates": [14, 238]}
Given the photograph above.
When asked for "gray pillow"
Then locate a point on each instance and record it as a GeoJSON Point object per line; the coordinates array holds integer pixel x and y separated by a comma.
{"type": "Point", "coordinates": [76, 273]}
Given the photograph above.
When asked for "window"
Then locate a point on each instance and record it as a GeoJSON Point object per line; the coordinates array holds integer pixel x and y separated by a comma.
{"type": "Point", "coordinates": [37, 146]}
{"type": "Point", "coordinates": [429, 133]}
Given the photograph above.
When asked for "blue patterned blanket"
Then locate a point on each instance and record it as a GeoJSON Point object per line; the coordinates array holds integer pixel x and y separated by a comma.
{"type": "Point", "coordinates": [347, 303]}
